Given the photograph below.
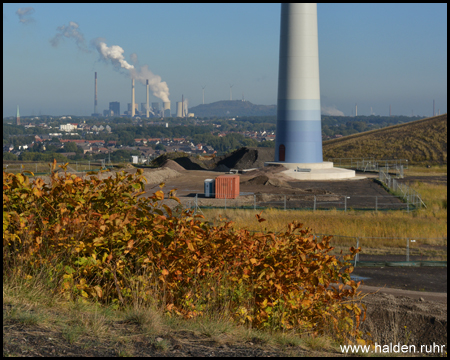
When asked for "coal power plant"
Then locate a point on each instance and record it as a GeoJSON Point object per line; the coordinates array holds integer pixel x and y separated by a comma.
{"type": "Point", "coordinates": [145, 110]}
{"type": "Point", "coordinates": [298, 145]}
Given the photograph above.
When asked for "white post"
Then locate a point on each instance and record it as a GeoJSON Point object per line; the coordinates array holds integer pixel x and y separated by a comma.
{"type": "Point", "coordinates": [407, 249]}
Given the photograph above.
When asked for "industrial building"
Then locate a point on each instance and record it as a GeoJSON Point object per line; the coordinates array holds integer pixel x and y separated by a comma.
{"type": "Point", "coordinates": [136, 108]}
{"type": "Point", "coordinates": [179, 109]}
{"type": "Point", "coordinates": [166, 109]}
{"type": "Point", "coordinates": [114, 106]}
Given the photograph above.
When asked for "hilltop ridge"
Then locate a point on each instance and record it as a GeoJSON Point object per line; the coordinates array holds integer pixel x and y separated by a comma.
{"type": "Point", "coordinates": [233, 108]}
{"type": "Point", "coordinates": [419, 141]}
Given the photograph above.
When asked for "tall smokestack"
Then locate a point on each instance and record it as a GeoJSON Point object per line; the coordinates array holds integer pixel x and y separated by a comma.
{"type": "Point", "coordinates": [132, 98]}
{"type": "Point", "coordinates": [148, 105]}
{"type": "Point", "coordinates": [95, 97]}
{"type": "Point", "coordinates": [17, 116]}
{"type": "Point", "coordinates": [356, 109]}
{"type": "Point", "coordinates": [182, 105]}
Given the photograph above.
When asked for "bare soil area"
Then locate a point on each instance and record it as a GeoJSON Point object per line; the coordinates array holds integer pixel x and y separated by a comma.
{"type": "Point", "coordinates": [269, 188]}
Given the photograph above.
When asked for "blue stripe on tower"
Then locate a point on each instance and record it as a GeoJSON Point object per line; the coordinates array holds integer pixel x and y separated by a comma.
{"type": "Point", "coordinates": [299, 130]}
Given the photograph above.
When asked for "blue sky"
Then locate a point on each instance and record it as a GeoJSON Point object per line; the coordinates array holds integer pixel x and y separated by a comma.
{"type": "Point", "coordinates": [370, 54]}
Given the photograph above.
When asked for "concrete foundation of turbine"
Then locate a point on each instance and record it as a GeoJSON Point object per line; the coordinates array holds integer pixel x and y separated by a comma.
{"type": "Point", "coordinates": [298, 144]}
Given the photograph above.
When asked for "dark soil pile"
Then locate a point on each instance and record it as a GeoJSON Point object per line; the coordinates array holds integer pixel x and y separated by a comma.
{"type": "Point", "coordinates": [247, 158]}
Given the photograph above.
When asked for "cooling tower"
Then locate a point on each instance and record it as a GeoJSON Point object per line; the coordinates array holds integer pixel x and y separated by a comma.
{"type": "Point", "coordinates": [166, 108]}
{"type": "Point", "coordinates": [179, 109]}
{"type": "Point", "coordinates": [132, 98]}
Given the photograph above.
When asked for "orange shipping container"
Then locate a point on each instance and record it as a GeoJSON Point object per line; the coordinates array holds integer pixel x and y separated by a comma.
{"type": "Point", "coordinates": [227, 186]}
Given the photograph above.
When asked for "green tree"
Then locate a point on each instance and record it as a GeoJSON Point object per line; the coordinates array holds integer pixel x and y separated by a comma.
{"type": "Point", "coordinates": [70, 147]}
{"type": "Point", "coordinates": [9, 156]}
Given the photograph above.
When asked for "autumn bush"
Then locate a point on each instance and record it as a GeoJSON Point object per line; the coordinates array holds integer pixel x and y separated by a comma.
{"type": "Point", "coordinates": [101, 239]}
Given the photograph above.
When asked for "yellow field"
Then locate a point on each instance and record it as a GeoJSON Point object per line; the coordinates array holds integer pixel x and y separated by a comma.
{"type": "Point", "coordinates": [429, 224]}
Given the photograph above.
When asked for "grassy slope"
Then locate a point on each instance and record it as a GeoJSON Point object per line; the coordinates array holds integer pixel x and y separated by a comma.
{"type": "Point", "coordinates": [421, 141]}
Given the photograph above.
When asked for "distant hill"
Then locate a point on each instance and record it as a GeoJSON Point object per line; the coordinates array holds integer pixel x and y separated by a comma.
{"type": "Point", "coordinates": [420, 141]}
{"type": "Point", "coordinates": [233, 108]}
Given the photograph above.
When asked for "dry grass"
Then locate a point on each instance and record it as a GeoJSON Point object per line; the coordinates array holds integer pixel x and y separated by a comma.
{"type": "Point", "coordinates": [31, 308]}
{"type": "Point", "coordinates": [43, 167]}
{"type": "Point", "coordinates": [428, 224]}
{"type": "Point", "coordinates": [421, 141]}
{"type": "Point", "coordinates": [393, 224]}
{"type": "Point", "coordinates": [435, 170]}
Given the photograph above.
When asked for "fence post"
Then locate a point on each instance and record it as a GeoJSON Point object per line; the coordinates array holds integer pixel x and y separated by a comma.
{"type": "Point", "coordinates": [254, 202]}
{"type": "Point", "coordinates": [225, 201]}
{"type": "Point", "coordinates": [195, 208]}
{"type": "Point", "coordinates": [314, 202]}
{"type": "Point", "coordinates": [407, 203]}
{"type": "Point", "coordinates": [284, 202]}
{"type": "Point", "coordinates": [345, 203]}
{"type": "Point", "coordinates": [376, 203]}
{"type": "Point", "coordinates": [407, 249]}
{"type": "Point", "coordinates": [36, 167]}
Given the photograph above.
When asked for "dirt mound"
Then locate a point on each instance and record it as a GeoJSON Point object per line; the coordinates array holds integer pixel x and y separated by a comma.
{"type": "Point", "coordinates": [405, 320]}
{"type": "Point", "coordinates": [266, 181]}
{"type": "Point", "coordinates": [188, 162]}
{"type": "Point", "coordinates": [258, 180]}
{"type": "Point", "coordinates": [277, 183]}
{"type": "Point", "coordinates": [160, 175]}
{"type": "Point", "coordinates": [170, 164]}
{"type": "Point", "coordinates": [247, 158]}
{"type": "Point", "coordinates": [222, 168]}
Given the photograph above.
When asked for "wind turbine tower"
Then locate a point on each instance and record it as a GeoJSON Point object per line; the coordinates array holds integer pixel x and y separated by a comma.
{"type": "Point", "coordinates": [231, 95]}
{"type": "Point", "coordinates": [298, 145]}
{"type": "Point", "coordinates": [203, 93]}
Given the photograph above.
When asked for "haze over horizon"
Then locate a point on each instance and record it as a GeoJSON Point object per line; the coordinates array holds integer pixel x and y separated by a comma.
{"type": "Point", "coordinates": [373, 55]}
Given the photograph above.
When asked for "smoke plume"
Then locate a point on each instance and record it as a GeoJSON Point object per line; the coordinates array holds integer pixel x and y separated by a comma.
{"type": "Point", "coordinates": [71, 32]}
{"type": "Point", "coordinates": [24, 15]}
{"type": "Point", "coordinates": [331, 110]}
{"type": "Point", "coordinates": [113, 53]}
{"type": "Point", "coordinates": [185, 107]}
{"type": "Point", "coordinates": [159, 88]}
{"type": "Point", "coordinates": [133, 58]}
